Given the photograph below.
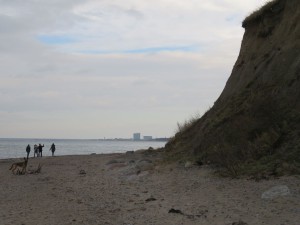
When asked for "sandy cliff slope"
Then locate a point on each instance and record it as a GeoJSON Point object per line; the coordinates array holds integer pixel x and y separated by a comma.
{"type": "Point", "coordinates": [256, 120]}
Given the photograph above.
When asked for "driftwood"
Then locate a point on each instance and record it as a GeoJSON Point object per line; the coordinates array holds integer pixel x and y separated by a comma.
{"type": "Point", "coordinates": [20, 172]}
{"type": "Point", "coordinates": [38, 170]}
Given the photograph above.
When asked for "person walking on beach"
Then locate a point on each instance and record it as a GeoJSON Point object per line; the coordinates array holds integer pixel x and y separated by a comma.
{"type": "Point", "coordinates": [35, 151]}
{"type": "Point", "coordinates": [52, 148]}
{"type": "Point", "coordinates": [41, 150]}
{"type": "Point", "coordinates": [28, 150]}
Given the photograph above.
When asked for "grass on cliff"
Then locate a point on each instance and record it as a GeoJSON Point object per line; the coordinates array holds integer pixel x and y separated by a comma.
{"type": "Point", "coordinates": [182, 127]}
{"type": "Point", "coordinates": [257, 15]}
{"type": "Point", "coordinates": [248, 136]}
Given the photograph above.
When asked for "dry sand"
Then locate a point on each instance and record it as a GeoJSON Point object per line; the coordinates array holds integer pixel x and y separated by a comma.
{"type": "Point", "coordinates": [134, 189]}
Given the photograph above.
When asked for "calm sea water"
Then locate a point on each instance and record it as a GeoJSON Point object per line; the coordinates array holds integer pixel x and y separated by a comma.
{"type": "Point", "coordinates": [16, 148]}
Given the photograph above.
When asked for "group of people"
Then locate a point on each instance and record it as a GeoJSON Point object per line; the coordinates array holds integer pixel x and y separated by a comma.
{"type": "Point", "coordinates": [38, 150]}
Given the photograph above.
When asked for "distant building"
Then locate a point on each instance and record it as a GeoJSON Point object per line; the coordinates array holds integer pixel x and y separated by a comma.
{"type": "Point", "coordinates": [148, 138]}
{"type": "Point", "coordinates": [137, 136]}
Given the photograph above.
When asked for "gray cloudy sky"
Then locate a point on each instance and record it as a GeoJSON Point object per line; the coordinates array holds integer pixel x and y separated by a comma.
{"type": "Point", "coordinates": [109, 68]}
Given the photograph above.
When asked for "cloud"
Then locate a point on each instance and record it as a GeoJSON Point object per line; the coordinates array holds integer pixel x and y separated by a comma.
{"type": "Point", "coordinates": [55, 39]}
{"type": "Point", "coordinates": [99, 68]}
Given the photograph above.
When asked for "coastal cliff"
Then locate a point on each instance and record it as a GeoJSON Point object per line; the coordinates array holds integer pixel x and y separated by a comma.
{"type": "Point", "coordinates": [254, 126]}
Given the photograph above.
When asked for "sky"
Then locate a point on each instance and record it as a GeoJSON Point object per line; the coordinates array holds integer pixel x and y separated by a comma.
{"type": "Point", "coordinates": [110, 68]}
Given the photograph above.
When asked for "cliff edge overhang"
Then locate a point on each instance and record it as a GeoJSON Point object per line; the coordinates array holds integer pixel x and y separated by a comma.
{"type": "Point", "coordinates": [269, 9]}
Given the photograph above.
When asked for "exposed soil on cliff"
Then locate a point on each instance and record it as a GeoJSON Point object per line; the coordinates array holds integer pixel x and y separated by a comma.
{"type": "Point", "coordinates": [254, 126]}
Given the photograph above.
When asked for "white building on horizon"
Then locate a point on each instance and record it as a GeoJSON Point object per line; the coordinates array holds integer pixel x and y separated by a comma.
{"type": "Point", "coordinates": [137, 136]}
{"type": "Point", "coordinates": [147, 138]}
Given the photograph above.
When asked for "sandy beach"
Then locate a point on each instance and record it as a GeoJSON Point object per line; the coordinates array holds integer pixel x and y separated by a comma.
{"type": "Point", "coordinates": [135, 189]}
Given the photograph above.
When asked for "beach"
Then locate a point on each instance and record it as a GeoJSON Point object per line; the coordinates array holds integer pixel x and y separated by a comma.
{"type": "Point", "coordinates": [137, 188]}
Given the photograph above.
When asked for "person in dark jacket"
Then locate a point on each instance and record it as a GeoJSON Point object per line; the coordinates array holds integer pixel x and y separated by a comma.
{"type": "Point", "coordinates": [28, 150]}
{"type": "Point", "coordinates": [41, 150]}
{"type": "Point", "coordinates": [52, 148]}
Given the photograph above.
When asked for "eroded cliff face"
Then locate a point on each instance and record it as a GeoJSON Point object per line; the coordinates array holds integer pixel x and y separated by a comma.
{"type": "Point", "coordinates": [257, 116]}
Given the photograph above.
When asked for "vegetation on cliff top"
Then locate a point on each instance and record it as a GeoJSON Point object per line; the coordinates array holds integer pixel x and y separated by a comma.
{"type": "Point", "coordinates": [269, 7]}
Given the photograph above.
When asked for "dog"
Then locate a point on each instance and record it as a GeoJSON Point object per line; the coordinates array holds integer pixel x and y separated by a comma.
{"type": "Point", "coordinates": [22, 165]}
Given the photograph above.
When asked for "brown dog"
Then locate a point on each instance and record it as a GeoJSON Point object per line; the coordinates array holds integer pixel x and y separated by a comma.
{"type": "Point", "coordinates": [22, 165]}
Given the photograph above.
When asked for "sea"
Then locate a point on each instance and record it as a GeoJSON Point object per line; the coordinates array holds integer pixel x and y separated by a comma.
{"type": "Point", "coordinates": [16, 147]}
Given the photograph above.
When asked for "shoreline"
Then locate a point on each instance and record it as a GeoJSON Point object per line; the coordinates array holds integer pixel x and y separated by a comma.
{"type": "Point", "coordinates": [16, 149]}
{"type": "Point", "coordinates": [55, 156]}
{"type": "Point", "coordinates": [136, 188]}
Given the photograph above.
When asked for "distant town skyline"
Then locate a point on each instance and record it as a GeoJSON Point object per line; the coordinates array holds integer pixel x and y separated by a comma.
{"type": "Point", "coordinates": [137, 136]}
{"type": "Point", "coordinates": [90, 69]}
